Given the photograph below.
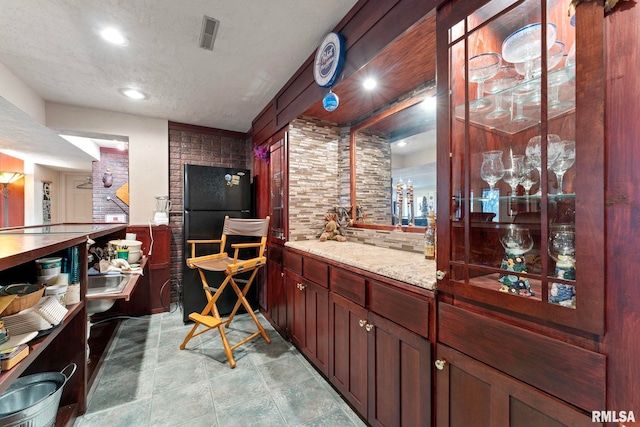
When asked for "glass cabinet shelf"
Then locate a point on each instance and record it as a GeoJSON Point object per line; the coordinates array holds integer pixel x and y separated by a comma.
{"type": "Point", "coordinates": [529, 95]}
{"type": "Point", "coordinates": [564, 196]}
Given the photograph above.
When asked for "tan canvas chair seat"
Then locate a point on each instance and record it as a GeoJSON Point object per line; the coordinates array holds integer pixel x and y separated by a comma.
{"type": "Point", "coordinates": [210, 318]}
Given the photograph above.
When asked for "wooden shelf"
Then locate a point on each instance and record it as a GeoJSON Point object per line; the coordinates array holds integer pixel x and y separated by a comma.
{"type": "Point", "coordinates": [36, 347]}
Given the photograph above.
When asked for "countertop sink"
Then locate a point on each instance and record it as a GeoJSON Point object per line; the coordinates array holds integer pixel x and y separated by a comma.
{"type": "Point", "coordinates": [106, 284]}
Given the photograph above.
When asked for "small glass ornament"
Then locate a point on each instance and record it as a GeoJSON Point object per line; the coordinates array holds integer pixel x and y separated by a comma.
{"type": "Point", "coordinates": [330, 101]}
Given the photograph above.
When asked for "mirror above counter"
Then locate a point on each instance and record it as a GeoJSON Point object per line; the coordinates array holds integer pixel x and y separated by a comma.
{"type": "Point", "coordinates": [393, 164]}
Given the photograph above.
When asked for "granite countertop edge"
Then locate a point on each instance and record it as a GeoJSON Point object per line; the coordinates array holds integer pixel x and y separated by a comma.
{"type": "Point", "coordinates": [404, 266]}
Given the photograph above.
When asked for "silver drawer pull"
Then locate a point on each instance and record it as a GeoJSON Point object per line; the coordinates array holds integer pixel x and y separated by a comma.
{"type": "Point", "coordinates": [440, 274]}
{"type": "Point", "coordinates": [368, 327]}
{"type": "Point", "coordinates": [440, 364]}
{"type": "Point", "coordinates": [362, 323]}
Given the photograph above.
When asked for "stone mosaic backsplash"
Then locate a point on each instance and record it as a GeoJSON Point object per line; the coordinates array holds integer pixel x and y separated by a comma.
{"type": "Point", "coordinates": [319, 178]}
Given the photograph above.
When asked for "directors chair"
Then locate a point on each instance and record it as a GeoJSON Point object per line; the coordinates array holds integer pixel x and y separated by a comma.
{"type": "Point", "coordinates": [210, 318]}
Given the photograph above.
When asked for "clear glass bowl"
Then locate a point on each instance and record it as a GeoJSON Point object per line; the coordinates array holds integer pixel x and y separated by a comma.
{"type": "Point", "coordinates": [525, 44]}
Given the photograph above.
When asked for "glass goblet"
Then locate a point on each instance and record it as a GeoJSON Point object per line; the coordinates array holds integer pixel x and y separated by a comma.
{"type": "Point", "coordinates": [562, 249]}
{"type": "Point", "coordinates": [506, 77]}
{"type": "Point", "coordinates": [514, 172]}
{"type": "Point", "coordinates": [482, 67]}
{"type": "Point", "coordinates": [565, 159]}
{"type": "Point", "coordinates": [534, 154]}
{"type": "Point", "coordinates": [492, 168]}
{"type": "Point", "coordinates": [529, 179]}
{"type": "Point", "coordinates": [516, 242]}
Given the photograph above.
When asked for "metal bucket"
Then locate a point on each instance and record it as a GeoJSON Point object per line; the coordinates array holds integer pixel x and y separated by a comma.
{"type": "Point", "coordinates": [33, 401]}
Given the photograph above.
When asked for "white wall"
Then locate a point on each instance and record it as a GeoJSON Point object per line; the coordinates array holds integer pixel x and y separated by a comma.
{"type": "Point", "coordinates": [148, 150]}
{"type": "Point", "coordinates": [22, 96]}
{"type": "Point", "coordinates": [35, 174]}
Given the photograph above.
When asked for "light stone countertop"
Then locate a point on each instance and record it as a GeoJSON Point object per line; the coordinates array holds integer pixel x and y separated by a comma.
{"type": "Point", "coordinates": [404, 266]}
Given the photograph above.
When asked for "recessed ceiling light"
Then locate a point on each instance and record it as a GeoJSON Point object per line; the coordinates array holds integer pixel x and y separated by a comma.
{"type": "Point", "coordinates": [429, 103]}
{"type": "Point", "coordinates": [133, 93]}
{"type": "Point", "coordinates": [402, 143]}
{"type": "Point", "coordinates": [369, 84]}
{"type": "Point", "coordinates": [114, 36]}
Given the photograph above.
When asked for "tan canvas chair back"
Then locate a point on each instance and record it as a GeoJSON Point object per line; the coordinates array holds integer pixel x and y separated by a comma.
{"type": "Point", "coordinates": [246, 227]}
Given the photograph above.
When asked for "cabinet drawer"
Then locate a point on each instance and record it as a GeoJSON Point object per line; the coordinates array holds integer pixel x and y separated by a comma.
{"type": "Point", "coordinates": [348, 284]}
{"type": "Point", "coordinates": [571, 373]}
{"type": "Point", "coordinates": [293, 262]}
{"type": "Point", "coordinates": [316, 271]}
{"type": "Point", "coordinates": [400, 307]}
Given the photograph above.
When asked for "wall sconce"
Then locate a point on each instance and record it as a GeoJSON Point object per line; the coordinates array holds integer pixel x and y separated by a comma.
{"type": "Point", "coordinates": [7, 178]}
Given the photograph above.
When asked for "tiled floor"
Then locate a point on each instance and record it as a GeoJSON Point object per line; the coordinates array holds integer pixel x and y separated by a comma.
{"type": "Point", "coordinates": [147, 381]}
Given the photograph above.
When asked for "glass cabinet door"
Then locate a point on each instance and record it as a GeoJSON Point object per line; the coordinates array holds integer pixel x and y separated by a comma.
{"type": "Point", "coordinates": [524, 159]}
{"type": "Point", "coordinates": [277, 187]}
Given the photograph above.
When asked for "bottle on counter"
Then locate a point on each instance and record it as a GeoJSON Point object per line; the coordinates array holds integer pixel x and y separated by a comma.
{"type": "Point", "coordinates": [430, 237]}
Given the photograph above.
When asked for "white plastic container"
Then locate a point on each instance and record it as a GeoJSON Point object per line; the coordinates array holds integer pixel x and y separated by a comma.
{"type": "Point", "coordinates": [47, 267]}
{"type": "Point", "coordinates": [57, 291]}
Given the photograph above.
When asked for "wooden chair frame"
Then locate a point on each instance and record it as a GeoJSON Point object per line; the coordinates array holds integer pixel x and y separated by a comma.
{"type": "Point", "coordinates": [209, 317]}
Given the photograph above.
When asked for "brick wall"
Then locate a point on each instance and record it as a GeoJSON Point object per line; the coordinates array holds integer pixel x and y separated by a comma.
{"type": "Point", "coordinates": [117, 163]}
{"type": "Point", "coordinates": [197, 148]}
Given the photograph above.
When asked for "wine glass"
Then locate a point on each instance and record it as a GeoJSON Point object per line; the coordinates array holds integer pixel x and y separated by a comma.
{"type": "Point", "coordinates": [565, 159]}
{"type": "Point", "coordinates": [534, 154]}
{"type": "Point", "coordinates": [506, 77]}
{"type": "Point", "coordinates": [514, 173]}
{"type": "Point", "coordinates": [492, 169]}
{"type": "Point", "coordinates": [517, 240]}
{"type": "Point", "coordinates": [529, 179]}
{"type": "Point", "coordinates": [481, 68]}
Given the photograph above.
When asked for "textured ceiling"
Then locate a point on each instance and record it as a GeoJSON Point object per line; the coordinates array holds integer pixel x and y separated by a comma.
{"type": "Point", "coordinates": [54, 47]}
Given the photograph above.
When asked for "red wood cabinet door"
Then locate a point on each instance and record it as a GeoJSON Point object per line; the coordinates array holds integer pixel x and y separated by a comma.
{"type": "Point", "coordinates": [472, 393]}
{"type": "Point", "coordinates": [316, 323]}
{"type": "Point", "coordinates": [399, 375]}
{"type": "Point", "coordinates": [276, 296]}
{"type": "Point", "coordinates": [348, 350]}
{"type": "Point", "coordinates": [295, 308]}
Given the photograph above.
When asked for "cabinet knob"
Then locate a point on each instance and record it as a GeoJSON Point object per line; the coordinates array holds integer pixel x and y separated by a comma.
{"type": "Point", "coordinates": [281, 274]}
{"type": "Point", "coordinates": [301, 286]}
{"type": "Point", "coordinates": [440, 364]}
{"type": "Point", "coordinates": [368, 327]}
{"type": "Point", "coordinates": [440, 274]}
{"type": "Point", "coordinates": [362, 323]}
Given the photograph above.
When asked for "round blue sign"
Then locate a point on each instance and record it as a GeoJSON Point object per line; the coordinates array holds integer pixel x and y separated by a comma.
{"type": "Point", "coordinates": [329, 59]}
{"type": "Point", "coordinates": [330, 101]}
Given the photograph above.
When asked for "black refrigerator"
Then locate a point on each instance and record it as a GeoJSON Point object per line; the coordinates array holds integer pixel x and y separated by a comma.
{"type": "Point", "coordinates": [210, 194]}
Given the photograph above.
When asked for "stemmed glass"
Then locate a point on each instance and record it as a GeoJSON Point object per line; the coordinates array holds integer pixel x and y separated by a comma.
{"type": "Point", "coordinates": [525, 45]}
{"type": "Point", "coordinates": [515, 171]}
{"type": "Point", "coordinates": [534, 154]}
{"type": "Point", "coordinates": [482, 67]}
{"type": "Point", "coordinates": [529, 179]}
{"type": "Point", "coordinates": [565, 159]}
{"type": "Point", "coordinates": [562, 249]}
{"type": "Point", "coordinates": [554, 56]}
{"type": "Point", "coordinates": [505, 78]}
{"type": "Point", "coordinates": [516, 242]}
{"type": "Point", "coordinates": [492, 169]}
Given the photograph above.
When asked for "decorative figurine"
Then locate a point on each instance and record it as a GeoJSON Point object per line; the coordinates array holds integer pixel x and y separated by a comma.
{"type": "Point", "coordinates": [331, 230]}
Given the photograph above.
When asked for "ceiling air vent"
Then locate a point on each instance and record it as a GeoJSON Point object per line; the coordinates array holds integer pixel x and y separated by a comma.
{"type": "Point", "coordinates": [209, 30]}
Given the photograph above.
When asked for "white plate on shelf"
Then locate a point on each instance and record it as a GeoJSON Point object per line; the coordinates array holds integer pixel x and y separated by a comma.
{"type": "Point", "coordinates": [18, 340]}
